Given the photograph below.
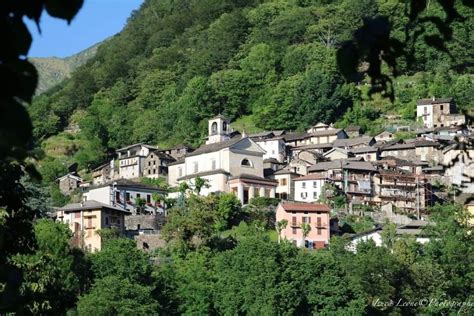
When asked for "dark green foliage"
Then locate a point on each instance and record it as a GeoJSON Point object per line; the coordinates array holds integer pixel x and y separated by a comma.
{"type": "Point", "coordinates": [113, 295]}
{"type": "Point", "coordinates": [120, 257]}
{"type": "Point", "coordinates": [55, 274]}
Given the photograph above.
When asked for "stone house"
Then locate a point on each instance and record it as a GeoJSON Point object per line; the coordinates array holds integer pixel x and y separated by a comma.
{"type": "Point", "coordinates": [439, 112]}
{"type": "Point", "coordinates": [156, 164]}
{"type": "Point", "coordinates": [69, 182]}
{"type": "Point", "coordinates": [132, 160]}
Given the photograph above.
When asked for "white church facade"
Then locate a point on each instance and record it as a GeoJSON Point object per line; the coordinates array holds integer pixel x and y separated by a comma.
{"type": "Point", "coordinates": [227, 164]}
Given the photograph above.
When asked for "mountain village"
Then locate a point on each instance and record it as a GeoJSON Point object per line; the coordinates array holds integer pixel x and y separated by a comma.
{"type": "Point", "coordinates": [389, 179]}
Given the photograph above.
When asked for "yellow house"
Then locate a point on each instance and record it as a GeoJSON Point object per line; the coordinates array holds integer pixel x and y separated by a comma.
{"type": "Point", "coordinates": [86, 218]}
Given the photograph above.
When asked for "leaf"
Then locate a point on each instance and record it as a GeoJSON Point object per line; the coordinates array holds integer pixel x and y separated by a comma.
{"type": "Point", "coordinates": [63, 9]}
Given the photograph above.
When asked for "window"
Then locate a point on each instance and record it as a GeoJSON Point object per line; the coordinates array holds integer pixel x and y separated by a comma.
{"type": "Point", "coordinates": [441, 107]}
{"type": "Point", "coordinates": [293, 231]}
{"type": "Point", "coordinates": [283, 181]}
{"type": "Point", "coordinates": [127, 196]}
{"type": "Point", "coordinates": [293, 220]}
{"type": "Point", "coordinates": [151, 156]}
{"type": "Point", "coordinates": [154, 162]}
{"type": "Point", "coordinates": [196, 169]}
{"type": "Point", "coordinates": [149, 171]}
{"type": "Point", "coordinates": [213, 164]}
{"type": "Point", "coordinates": [425, 109]}
{"type": "Point", "coordinates": [214, 128]}
{"type": "Point", "coordinates": [224, 126]}
{"type": "Point", "coordinates": [149, 163]}
{"type": "Point", "coordinates": [246, 163]}
{"type": "Point", "coordinates": [138, 195]}
{"type": "Point", "coordinates": [304, 195]}
{"type": "Point", "coordinates": [315, 184]}
{"type": "Point", "coordinates": [106, 221]}
{"type": "Point", "coordinates": [303, 185]}
{"type": "Point", "coordinates": [148, 198]}
{"type": "Point", "coordinates": [315, 195]}
{"type": "Point", "coordinates": [180, 172]}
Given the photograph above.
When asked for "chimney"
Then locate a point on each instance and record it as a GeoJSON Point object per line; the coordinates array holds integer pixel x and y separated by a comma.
{"type": "Point", "coordinates": [244, 134]}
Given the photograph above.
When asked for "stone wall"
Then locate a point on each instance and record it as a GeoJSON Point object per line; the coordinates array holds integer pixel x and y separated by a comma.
{"type": "Point", "coordinates": [154, 222]}
{"type": "Point", "coordinates": [149, 242]}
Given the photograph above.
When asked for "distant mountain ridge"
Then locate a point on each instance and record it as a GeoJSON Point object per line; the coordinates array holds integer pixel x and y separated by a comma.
{"type": "Point", "coordinates": [53, 70]}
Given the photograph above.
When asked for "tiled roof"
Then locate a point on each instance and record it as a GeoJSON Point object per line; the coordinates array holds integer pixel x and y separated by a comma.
{"type": "Point", "coordinates": [244, 176]}
{"type": "Point", "coordinates": [295, 136]}
{"type": "Point", "coordinates": [209, 148]}
{"type": "Point", "coordinates": [177, 162]}
{"type": "Point", "coordinates": [89, 205]}
{"type": "Point", "coordinates": [326, 132]}
{"type": "Point", "coordinates": [342, 164]}
{"type": "Point", "coordinates": [399, 147]}
{"type": "Point", "coordinates": [435, 101]}
{"type": "Point", "coordinates": [161, 155]}
{"type": "Point", "coordinates": [314, 146]}
{"type": "Point", "coordinates": [305, 207]}
{"type": "Point", "coordinates": [311, 176]}
{"type": "Point", "coordinates": [361, 150]}
{"type": "Point", "coordinates": [347, 142]}
{"type": "Point", "coordinates": [286, 170]}
{"type": "Point", "coordinates": [135, 145]}
{"type": "Point", "coordinates": [204, 173]}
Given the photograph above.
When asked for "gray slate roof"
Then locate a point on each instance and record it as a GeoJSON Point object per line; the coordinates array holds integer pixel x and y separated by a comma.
{"type": "Point", "coordinates": [435, 101]}
{"type": "Point", "coordinates": [344, 164]}
{"type": "Point", "coordinates": [209, 148]}
{"type": "Point", "coordinates": [347, 142]}
{"type": "Point", "coordinates": [89, 205]}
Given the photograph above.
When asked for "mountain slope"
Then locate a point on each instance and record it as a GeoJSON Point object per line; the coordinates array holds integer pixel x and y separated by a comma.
{"type": "Point", "coordinates": [265, 64]}
{"type": "Point", "coordinates": [53, 70]}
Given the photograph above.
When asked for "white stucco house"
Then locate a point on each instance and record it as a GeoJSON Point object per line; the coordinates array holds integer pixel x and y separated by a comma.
{"type": "Point", "coordinates": [227, 164]}
{"type": "Point", "coordinates": [308, 188]}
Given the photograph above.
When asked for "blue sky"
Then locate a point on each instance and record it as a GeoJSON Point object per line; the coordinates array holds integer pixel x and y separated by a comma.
{"type": "Point", "coordinates": [97, 20]}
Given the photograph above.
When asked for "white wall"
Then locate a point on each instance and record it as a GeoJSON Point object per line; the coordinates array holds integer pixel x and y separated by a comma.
{"type": "Point", "coordinates": [101, 195]}
{"type": "Point", "coordinates": [274, 148]}
{"type": "Point", "coordinates": [420, 112]}
{"type": "Point", "coordinates": [311, 188]}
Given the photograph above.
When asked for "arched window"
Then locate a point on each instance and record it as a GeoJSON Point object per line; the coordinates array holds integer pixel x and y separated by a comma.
{"type": "Point", "coordinates": [224, 126]}
{"type": "Point", "coordinates": [246, 163]}
{"type": "Point", "coordinates": [214, 128]}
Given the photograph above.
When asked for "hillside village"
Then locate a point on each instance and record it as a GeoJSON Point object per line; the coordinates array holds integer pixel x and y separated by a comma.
{"type": "Point", "coordinates": [317, 175]}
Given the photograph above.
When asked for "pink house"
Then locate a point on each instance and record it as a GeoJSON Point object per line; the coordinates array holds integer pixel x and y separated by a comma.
{"type": "Point", "coordinates": [317, 216]}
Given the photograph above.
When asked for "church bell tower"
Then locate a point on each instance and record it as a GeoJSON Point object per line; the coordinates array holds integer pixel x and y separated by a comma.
{"type": "Point", "coordinates": [219, 130]}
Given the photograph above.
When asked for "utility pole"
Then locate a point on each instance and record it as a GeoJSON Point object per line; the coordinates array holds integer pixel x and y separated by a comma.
{"type": "Point", "coordinates": [417, 199]}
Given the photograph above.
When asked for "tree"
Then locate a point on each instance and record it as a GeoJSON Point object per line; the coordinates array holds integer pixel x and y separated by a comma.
{"type": "Point", "coordinates": [305, 229]}
{"type": "Point", "coordinates": [229, 211]}
{"type": "Point", "coordinates": [199, 184]}
{"type": "Point", "coordinates": [55, 274]}
{"type": "Point", "coordinates": [113, 295]}
{"type": "Point", "coordinates": [120, 257]}
{"type": "Point", "coordinates": [279, 226]}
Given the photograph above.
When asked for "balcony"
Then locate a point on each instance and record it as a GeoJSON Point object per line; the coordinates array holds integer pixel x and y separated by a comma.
{"type": "Point", "coordinates": [402, 196]}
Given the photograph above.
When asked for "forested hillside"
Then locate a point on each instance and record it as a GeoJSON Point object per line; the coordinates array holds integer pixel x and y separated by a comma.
{"type": "Point", "coordinates": [264, 64]}
{"type": "Point", "coordinates": [53, 70]}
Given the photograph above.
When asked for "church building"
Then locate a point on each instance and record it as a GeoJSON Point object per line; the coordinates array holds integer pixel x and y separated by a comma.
{"type": "Point", "coordinates": [228, 164]}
